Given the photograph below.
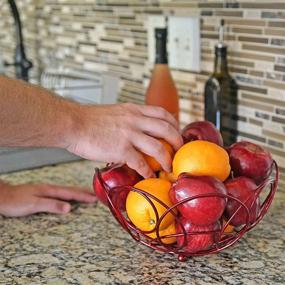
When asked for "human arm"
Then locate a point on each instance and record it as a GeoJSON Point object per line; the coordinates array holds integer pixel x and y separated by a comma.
{"type": "Point", "coordinates": [33, 116]}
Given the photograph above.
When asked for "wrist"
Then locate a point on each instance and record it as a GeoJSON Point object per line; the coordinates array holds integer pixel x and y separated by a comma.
{"type": "Point", "coordinates": [68, 125]}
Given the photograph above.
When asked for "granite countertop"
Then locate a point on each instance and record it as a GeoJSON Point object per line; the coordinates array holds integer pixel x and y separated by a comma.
{"type": "Point", "coordinates": [88, 247]}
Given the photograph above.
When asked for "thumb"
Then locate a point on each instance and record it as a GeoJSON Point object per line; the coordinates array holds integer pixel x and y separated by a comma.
{"type": "Point", "coordinates": [52, 206]}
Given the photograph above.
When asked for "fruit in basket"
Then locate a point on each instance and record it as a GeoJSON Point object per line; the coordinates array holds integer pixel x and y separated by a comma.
{"type": "Point", "coordinates": [242, 188]}
{"type": "Point", "coordinates": [152, 162]}
{"type": "Point", "coordinates": [202, 158]}
{"type": "Point", "coordinates": [229, 228]}
{"type": "Point", "coordinates": [113, 176]}
{"type": "Point", "coordinates": [251, 160]}
{"type": "Point", "coordinates": [202, 130]}
{"type": "Point", "coordinates": [140, 210]}
{"type": "Point", "coordinates": [197, 237]}
{"type": "Point", "coordinates": [199, 211]}
{"type": "Point", "coordinates": [170, 230]}
{"type": "Point", "coordinates": [167, 176]}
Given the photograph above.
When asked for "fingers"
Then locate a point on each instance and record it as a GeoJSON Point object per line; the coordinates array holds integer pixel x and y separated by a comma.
{"type": "Point", "coordinates": [136, 161]}
{"type": "Point", "coordinates": [66, 193]}
{"type": "Point", "coordinates": [155, 149]}
{"type": "Point", "coordinates": [51, 206]}
{"type": "Point", "coordinates": [157, 122]}
{"type": "Point", "coordinates": [161, 129]}
{"type": "Point", "coordinates": [159, 113]}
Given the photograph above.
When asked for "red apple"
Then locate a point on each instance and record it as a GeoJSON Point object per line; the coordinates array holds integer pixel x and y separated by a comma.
{"type": "Point", "coordinates": [202, 130]}
{"type": "Point", "coordinates": [197, 237]}
{"type": "Point", "coordinates": [114, 176]}
{"type": "Point", "coordinates": [250, 160]}
{"type": "Point", "coordinates": [199, 211]}
{"type": "Point", "coordinates": [242, 188]}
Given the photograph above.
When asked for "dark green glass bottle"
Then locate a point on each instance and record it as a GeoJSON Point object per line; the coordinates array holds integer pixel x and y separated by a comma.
{"type": "Point", "coordinates": [221, 95]}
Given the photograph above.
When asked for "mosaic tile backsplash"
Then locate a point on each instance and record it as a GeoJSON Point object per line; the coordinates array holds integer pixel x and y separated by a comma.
{"type": "Point", "coordinates": [111, 35]}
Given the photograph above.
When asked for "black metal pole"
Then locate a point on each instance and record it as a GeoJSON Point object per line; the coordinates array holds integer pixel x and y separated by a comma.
{"type": "Point", "coordinates": [22, 64]}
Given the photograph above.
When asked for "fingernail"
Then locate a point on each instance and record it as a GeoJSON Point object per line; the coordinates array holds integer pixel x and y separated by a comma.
{"type": "Point", "coordinates": [179, 143]}
{"type": "Point", "coordinates": [148, 174]}
{"type": "Point", "coordinates": [167, 169]}
{"type": "Point", "coordinates": [66, 208]}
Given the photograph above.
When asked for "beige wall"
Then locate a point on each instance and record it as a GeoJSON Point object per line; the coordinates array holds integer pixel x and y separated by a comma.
{"type": "Point", "coordinates": [111, 35]}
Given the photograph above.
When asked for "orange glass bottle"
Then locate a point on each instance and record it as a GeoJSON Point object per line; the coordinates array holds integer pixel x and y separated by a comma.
{"type": "Point", "coordinates": [161, 90]}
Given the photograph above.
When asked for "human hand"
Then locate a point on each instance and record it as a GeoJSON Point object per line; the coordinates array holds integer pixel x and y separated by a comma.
{"type": "Point", "coordinates": [27, 199]}
{"type": "Point", "coordinates": [119, 133]}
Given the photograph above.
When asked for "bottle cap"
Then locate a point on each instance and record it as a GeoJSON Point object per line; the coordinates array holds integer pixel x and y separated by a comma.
{"type": "Point", "coordinates": [160, 33]}
{"type": "Point", "coordinates": [221, 50]}
{"type": "Point", "coordinates": [221, 43]}
{"type": "Point", "coordinates": [161, 50]}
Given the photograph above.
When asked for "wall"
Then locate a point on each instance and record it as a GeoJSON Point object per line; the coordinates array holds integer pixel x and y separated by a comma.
{"type": "Point", "coordinates": [111, 35]}
{"type": "Point", "coordinates": [27, 10]}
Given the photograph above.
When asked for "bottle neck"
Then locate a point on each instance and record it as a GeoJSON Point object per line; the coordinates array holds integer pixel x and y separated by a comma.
{"type": "Point", "coordinates": [161, 52]}
{"type": "Point", "coordinates": [221, 64]}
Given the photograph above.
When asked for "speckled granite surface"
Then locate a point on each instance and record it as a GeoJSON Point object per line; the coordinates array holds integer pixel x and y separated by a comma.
{"type": "Point", "coordinates": [88, 247]}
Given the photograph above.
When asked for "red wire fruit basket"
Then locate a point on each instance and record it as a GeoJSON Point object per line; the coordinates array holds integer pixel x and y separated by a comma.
{"type": "Point", "coordinates": [222, 239]}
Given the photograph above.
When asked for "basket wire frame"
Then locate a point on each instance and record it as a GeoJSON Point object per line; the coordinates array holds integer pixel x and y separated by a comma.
{"type": "Point", "coordinates": [222, 240]}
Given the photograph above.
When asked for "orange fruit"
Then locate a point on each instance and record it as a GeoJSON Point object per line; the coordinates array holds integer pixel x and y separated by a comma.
{"type": "Point", "coordinates": [140, 210]}
{"type": "Point", "coordinates": [229, 228]}
{"type": "Point", "coordinates": [152, 162]}
{"type": "Point", "coordinates": [167, 176]}
{"type": "Point", "coordinates": [202, 158]}
{"type": "Point", "coordinates": [170, 230]}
